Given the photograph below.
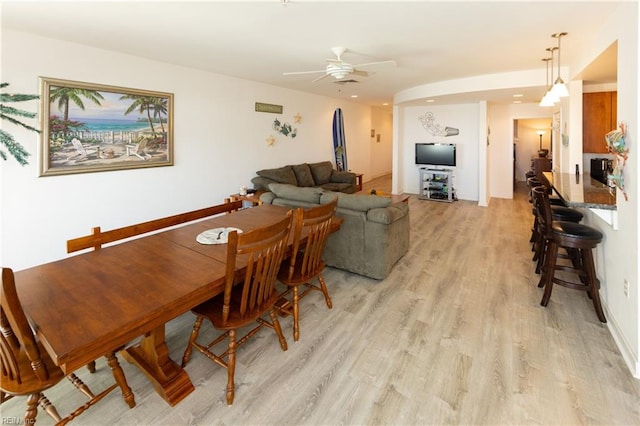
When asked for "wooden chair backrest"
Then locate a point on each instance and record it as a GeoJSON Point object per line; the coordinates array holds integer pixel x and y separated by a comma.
{"type": "Point", "coordinates": [16, 334]}
{"type": "Point", "coordinates": [97, 238]}
{"type": "Point", "coordinates": [314, 225]}
{"type": "Point", "coordinates": [542, 207]}
{"type": "Point", "coordinates": [264, 250]}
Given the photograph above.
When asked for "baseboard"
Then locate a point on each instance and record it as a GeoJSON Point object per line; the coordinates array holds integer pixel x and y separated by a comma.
{"type": "Point", "coordinates": [622, 343]}
{"type": "Point", "coordinates": [380, 175]}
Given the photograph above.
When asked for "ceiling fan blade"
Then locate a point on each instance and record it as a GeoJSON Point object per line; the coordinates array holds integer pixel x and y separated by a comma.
{"type": "Point", "coordinates": [320, 78]}
{"type": "Point", "coordinates": [361, 73]}
{"type": "Point", "coordinates": [377, 64]}
{"type": "Point", "coordinates": [303, 72]}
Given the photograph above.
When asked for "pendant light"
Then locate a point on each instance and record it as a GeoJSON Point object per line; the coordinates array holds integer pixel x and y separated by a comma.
{"type": "Point", "coordinates": [546, 99]}
{"type": "Point", "coordinates": [553, 97]}
{"type": "Point", "coordinates": [559, 88]}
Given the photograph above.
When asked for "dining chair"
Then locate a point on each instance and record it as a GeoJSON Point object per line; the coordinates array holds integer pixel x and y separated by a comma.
{"type": "Point", "coordinates": [311, 228]}
{"type": "Point", "coordinates": [27, 369]}
{"type": "Point", "coordinates": [253, 259]}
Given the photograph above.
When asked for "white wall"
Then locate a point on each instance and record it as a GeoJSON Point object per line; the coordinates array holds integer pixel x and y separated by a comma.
{"type": "Point", "coordinates": [382, 124]}
{"type": "Point", "coordinates": [219, 144]}
{"type": "Point", "coordinates": [464, 117]}
{"type": "Point", "coordinates": [617, 256]}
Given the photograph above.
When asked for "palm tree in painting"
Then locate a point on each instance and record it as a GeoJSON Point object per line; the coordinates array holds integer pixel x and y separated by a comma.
{"type": "Point", "coordinates": [64, 95]}
{"type": "Point", "coordinates": [143, 104]}
{"type": "Point", "coordinates": [159, 107]}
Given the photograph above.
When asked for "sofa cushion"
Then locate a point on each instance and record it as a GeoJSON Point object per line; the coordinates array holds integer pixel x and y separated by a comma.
{"type": "Point", "coordinates": [291, 192]}
{"type": "Point", "coordinates": [321, 172]}
{"type": "Point", "coordinates": [356, 202]}
{"type": "Point", "coordinates": [343, 177]}
{"type": "Point", "coordinates": [282, 175]}
{"type": "Point", "coordinates": [303, 174]}
{"type": "Point", "coordinates": [347, 188]}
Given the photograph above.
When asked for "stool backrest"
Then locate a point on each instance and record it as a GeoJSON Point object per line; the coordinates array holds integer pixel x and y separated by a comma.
{"type": "Point", "coordinates": [542, 208]}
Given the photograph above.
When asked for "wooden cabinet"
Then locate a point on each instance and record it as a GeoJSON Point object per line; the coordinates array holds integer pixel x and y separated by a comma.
{"type": "Point", "coordinates": [599, 117]}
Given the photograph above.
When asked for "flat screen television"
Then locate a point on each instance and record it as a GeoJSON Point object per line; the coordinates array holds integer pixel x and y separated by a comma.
{"type": "Point", "coordinates": [436, 154]}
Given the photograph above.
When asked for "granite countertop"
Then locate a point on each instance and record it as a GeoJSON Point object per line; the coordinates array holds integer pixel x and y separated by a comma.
{"type": "Point", "coordinates": [582, 191]}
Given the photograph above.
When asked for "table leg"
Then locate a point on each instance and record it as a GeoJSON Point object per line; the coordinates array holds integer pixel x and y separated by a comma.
{"type": "Point", "coordinates": [152, 356]}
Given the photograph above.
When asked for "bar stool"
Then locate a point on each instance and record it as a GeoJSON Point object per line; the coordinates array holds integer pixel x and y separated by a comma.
{"type": "Point", "coordinates": [579, 241]}
{"type": "Point", "coordinates": [533, 182]}
{"type": "Point", "coordinates": [539, 234]}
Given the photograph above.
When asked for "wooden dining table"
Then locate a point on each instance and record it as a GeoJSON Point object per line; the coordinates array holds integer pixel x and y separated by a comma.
{"type": "Point", "coordinates": [84, 306]}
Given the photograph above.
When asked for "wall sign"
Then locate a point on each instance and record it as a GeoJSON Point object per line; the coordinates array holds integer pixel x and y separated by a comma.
{"type": "Point", "coordinates": [262, 107]}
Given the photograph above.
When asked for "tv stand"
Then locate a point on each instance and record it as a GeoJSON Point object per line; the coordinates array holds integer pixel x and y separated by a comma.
{"type": "Point", "coordinates": [437, 185]}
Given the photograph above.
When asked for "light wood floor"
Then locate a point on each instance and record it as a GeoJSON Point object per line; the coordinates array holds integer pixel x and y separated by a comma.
{"type": "Point", "coordinates": [455, 335]}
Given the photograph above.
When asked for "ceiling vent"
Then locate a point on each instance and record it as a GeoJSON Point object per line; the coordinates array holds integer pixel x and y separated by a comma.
{"type": "Point", "coordinates": [346, 81]}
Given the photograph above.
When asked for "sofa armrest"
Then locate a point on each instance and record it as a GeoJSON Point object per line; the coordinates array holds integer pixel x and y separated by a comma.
{"type": "Point", "coordinates": [387, 215]}
{"type": "Point", "coordinates": [267, 197]}
{"type": "Point", "coordinates": [343, 177]}
{"type": "Point", "coordinates": [261, 183]}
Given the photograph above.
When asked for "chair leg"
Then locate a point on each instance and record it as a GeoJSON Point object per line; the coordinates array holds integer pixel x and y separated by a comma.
{"type": "Point", "coordinates": [587, 261]}
{"type": "Point", "coordinates": [296, 313]}
{"type": "Point", "coordinates": [541, 253]}
{"type": "Point", "coordinates": [48, 407]}
{"type": "Point", "coordinates": [121, 380]}
{"type": "Point", "coordinates": [231, 367]}
{"type": "Point", "coordinates": [549, 271]}
{"type": "Point", "coordinates": [278, 329]}
{"type": "Point", "coordinates": [32, 408]}
{"type": "Point", "coordinates": [91, 367]}
{"type": "Point", "coordinates": [79, 384]}
{"type": "Point", "coordinates": [323, 286]}
{"type": "Point", "coordinates": [192, 339]}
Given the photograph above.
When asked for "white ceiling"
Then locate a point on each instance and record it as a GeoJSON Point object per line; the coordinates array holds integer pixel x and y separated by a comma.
{"type": "Point", "coordinates": [430, 41]}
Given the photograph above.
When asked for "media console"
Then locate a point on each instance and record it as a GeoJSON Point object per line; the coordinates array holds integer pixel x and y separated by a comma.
{"type": "Point", "coordinates": [437, 185]}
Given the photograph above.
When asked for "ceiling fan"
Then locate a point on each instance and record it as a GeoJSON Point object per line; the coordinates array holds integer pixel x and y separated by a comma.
{"type": "Point", "coordinates": [339, 69]}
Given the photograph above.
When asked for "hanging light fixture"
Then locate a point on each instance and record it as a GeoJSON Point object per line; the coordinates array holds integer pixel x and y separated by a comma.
{"type": "Point", "coordinates": [546, 99]}
{"type": "Point", "coordinates": [553, 97]}
{"type": "Point", "coordinates": [559, 88]}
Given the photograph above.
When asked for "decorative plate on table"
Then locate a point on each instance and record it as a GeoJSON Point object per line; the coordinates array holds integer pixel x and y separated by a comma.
{"type": "Point", "coordinates": [216, 235]}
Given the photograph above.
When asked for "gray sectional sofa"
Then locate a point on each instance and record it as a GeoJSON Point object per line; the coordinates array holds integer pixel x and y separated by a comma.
{"type": "Point", "coordinates": [373, 236]}
{"type": "Point", "coordinates": [321, 175]}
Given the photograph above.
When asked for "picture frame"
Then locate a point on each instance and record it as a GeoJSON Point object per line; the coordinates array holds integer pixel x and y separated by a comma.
{"type": "Point", "coordinates": [88, 127]}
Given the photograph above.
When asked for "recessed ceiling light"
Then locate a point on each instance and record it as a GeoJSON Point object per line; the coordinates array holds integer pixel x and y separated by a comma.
{"type": "Point", "coordinates": [517, 102]}
{"type": "Point", "coordinates": [518, 95]}
{"type": "Point", "coordinates": [430, 100]}
{"type": "Point", "coordinates": [385, 104]}
{"type": "Point", "coordinates": [354, 96]}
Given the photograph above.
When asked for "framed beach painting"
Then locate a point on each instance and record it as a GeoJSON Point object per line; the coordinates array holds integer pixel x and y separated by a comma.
{"type": "Point", "coordinates": [90, 127]}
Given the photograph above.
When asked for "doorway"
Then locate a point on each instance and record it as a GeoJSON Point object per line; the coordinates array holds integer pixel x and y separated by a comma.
{"type": "Point", "coordinates": [530, 135]}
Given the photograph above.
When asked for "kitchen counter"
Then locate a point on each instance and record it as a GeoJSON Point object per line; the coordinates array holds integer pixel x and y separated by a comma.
{"type": "Point", "coordinates": [582, 191]}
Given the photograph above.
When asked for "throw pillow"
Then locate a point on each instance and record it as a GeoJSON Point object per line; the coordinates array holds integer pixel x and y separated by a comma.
{"type": "Point", "coordinates": [303, 174]}
{"type": "Point", "coordinates": [291, 192]}
{"type": "Point", "coordinates": [321, 172]}
{"type": "Point", "coordinates": [283, 175]}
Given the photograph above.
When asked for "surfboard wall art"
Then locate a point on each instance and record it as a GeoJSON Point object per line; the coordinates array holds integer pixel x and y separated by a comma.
{"type": "Point", "coordinates": [339, 142]}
